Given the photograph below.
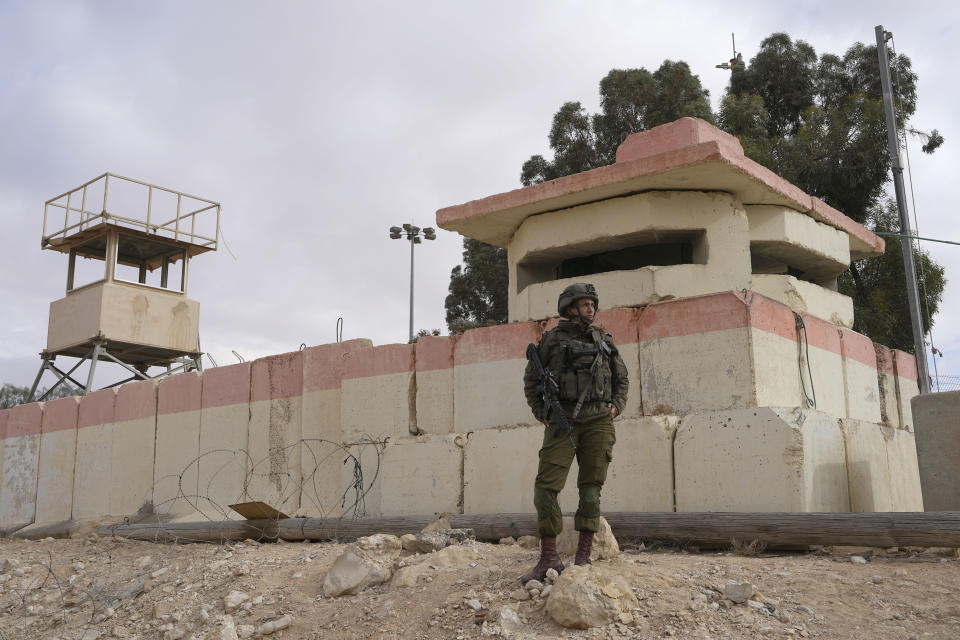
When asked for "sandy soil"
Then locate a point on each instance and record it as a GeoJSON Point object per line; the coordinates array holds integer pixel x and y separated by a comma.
{"type": "Point", "coordinates": [111, 588]}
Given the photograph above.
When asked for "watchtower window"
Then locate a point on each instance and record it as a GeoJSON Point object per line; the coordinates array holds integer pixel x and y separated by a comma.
{"type": "Point", "coordinates": [661, 254]}
{"type": "Point", "coordinates": [150, 262]}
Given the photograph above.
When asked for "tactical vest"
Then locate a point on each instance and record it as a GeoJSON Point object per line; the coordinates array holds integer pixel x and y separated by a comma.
{"type": "Point", "coordinates": [585, 371]}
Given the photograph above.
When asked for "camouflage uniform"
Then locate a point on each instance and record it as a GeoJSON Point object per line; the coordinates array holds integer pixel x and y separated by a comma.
{"type": "Point", "coordinates": [590, 373]}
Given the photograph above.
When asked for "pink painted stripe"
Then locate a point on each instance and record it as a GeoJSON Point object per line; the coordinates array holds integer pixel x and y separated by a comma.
{"type": "Point", "coordinates": [137, 400]}
{"type": "Point", "coordinates": [378, 361]}
{"type": "Point", "coordinates": [622, 324]}
{"type": "Point", "coordinates": [772, 316]}
{"type": "Point", "coordinates": [60, 415]}
{"type": "Point", "coordinates": [4, 416]}
{"type": "Point", "coordinates": [492, 344]}
{"type": "Point", "coordinates": [279, 376]}
{"type": "Point", "coordinates": [323, 365]}
{"type": "Point", "coordinates": [434, 352]}
{"type": "Point", "coordinates": [179, 393]}
{"type": "Point", "coordinates": [25, 420]}
{"type": "Point", "coordinates": [884, 359]}
{"type": "Point", "coordinates": [858, 347]}
{"type": "Point", "coordinates": [906, 365]}
{"type": "Point", "coordinates": [224, 386]}
{"type": "Point", "coordinates": [97, 408]}
{"type": "Point", "coordinates": [822, 334]}
{"type": "Point", "coordinates": [699, 314]}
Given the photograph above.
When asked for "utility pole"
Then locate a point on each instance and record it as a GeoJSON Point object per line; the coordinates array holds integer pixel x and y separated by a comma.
{"type": "Point", "coordinates": [413, 234]}
{"type": "Point", "coordinates": [913, 298]}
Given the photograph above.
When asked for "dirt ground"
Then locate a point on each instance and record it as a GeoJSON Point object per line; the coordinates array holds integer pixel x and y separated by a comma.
{"type": "Point", "coordinates": [103, 588]}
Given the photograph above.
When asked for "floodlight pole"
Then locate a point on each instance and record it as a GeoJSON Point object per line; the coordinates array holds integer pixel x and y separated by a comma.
{"type": "Point", "coordinates": [906, 244]}
{"type": "Point", "coordinates": [414, 235]}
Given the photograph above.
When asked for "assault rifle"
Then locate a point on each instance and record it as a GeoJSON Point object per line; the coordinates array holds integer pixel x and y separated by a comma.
{"type": "Point", "coordinates": [551, 395]}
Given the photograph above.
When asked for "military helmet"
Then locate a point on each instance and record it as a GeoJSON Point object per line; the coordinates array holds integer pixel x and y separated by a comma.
{"type": "Point", "coordinates": [575, 292]}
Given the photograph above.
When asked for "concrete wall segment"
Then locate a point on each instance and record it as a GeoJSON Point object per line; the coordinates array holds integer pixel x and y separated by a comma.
{"type": "Point", "coordinates": [868, 470]}
{"type": "Point", "coordinates": [434, 353]}
{"type": "Point", "coordinates": [908, 385]}
{"type": "Point", "coordinates": [324, 365]}
{"type": "Point", "coordinates": [494, 344]}
{"type": "Point", "coordinates": [58, 447]}
{"type": "Point", "coordinates": [21, 459]}
{"type": "Point", "coordinates": [133, 436]}
{"type": "Point", "coordinates": [225, 386]}
{"type": "Point", "coordinates": [422, 475]}
{"type": "Point", "coordinates": [94, 457]}
{"type": "Point", "coordinates": [279, 376]}
{"type": "Point", "coordinates": [887, 387]}
{"type": "Point", "coordinates": [774, 459]}
{"type": "Point", "coordinates": [906, 488]}
{"type": "Point", "coordinates": [381, 360]}
{"type": "Point", "coordinates": [176, 460]}
{"type": "Point", "coordinates": [938, 448]}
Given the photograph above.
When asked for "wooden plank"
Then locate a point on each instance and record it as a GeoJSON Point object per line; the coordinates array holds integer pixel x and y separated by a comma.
{"type": "Point", "coordinates": [941, 529]}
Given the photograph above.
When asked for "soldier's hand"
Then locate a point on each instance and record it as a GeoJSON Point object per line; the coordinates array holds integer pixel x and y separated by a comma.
{"type": "Point", "coordinates": [613, 410]}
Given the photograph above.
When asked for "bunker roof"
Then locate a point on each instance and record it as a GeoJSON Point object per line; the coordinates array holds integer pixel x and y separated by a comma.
{"type": "Point", "coordinates": [687, 154]}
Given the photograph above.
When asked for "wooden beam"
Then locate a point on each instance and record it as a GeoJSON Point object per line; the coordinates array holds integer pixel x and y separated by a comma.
{"type": "Point", "coordinates": [940, 529]}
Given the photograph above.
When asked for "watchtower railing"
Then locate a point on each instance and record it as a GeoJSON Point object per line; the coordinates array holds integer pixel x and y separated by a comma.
{"type": "Point", "coordinates": [176, 227]}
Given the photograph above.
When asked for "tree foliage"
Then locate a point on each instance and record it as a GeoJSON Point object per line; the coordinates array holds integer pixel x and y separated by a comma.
{"type": "Point", "coordinates": [12, 395]}
{"type": "Point", "coordinates": [879, 291]}
{"type": "Point", "coordinates": [819, 123]}
{"type": "Point", "coordinates": [631, 100]}
{"type": "Point", "coordinates": [478, 288]}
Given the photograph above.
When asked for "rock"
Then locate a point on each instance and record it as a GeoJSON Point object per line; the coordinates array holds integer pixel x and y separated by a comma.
{"type": "Point", "coordinates": [229, 630]}
{"type": "Point", "coordinates": [552, 576]}
{"type": "Point", "coordinates": [172, 632]}
{"type": "Point", "coordinates": [520, 594]}
{"type": "Point", "coordinates": [458, 535]}
{"type": "Point", "coordinates": [547, 590]}
{"type": "Point", "coordinates": [455, 556]}
{"type": "Point", "coordinates": [533, 584]}
{"type": "Point", "coordinates": [275, 625]}
{"type": "Point", "coordinates": [409, 576]}
{"type": "Point", "coordinates": [156, 574]}
{"type": "Point", "coordinates": [474, 604]}
{"type": "Point", "coordinates": [858, 560]}
{"type": "Point", "coordinates": [605, 546]}
{"type": "Point", "coordinates": [428, 542]}
{"type": "Point", "coordinates": [737, 591]}
{"type": "Point", "coordinates": [143, 562]}
{"type": "Point", "coordinates": [347, 576]}
{"type": "Point", "coordinates": [241, 569]}
{"type": "Point", "coordinates": [367, 561]}
{"type": "Point", "coordinates": [439, 523]}
{"type": "Point", "coordinates": [245, 631]}
{"type": "Point", "coordinates": [587, 596]}
{"type": "Point", "coordinates": [407, 540]}
{"type": "Point", "coordinates": [625, 618]}
{"type": "Point", "coordinates": [509, 619]}
{"type": "Point", "coordinates": [508, 541]}
{"type": "Point", "coordinates": [529, 542]}
{"type": "Point", "coordinates": [161, 609]}
{"type": "Point", "coordinates": [753, 604]}
{"type": "Point", "coordinates": [234, 599]}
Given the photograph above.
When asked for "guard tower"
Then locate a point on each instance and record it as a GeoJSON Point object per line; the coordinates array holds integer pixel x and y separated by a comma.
{"type": "Point", "coordinates": [129, 246]}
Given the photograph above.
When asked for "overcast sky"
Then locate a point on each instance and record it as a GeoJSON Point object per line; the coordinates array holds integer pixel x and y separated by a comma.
{"type": "Point", "coordinates": [318, 125]}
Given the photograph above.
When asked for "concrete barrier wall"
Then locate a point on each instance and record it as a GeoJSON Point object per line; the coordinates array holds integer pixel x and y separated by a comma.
{"type": "Point", "coordinates": [762, 459]}
{"type": "Point", "coordinates": [938, 449]}
{"type": "Point", "coordinates": [4, 416]}
{"type": "Point", "coordinates": [378, 394]}
{"type": "Point", "coordinates": [323, 369]}
{"type": "Point", "coordinates": [58, 449]}
{"type": "Point", "coordinates": [223, 464]}
{"type": "Point", "coordinates": [488, 377]}
{"type": "Point", "coordinates": [176, 488]}
{"type": "Point", "coordinates": [908, 386]}
{"type": "Point", "coordinates": [132, 455]}
{"type": "Point", "coordinates": [91, 483]}
{"type": "Point", "coordinates": [274, 432]}
{"type": "Point", "coordinates": [280, 428]}
{"type": "Point", "coordinates": [21, 458]}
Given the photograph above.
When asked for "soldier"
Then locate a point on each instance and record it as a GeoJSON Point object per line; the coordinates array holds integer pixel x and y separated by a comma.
{"type": "Point", "coordinates": [593, 391]}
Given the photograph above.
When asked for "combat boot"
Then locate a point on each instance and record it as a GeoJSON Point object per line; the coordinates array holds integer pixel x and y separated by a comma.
{"type": "Point", "coordinates": [584, 545]}
{"type": "Point", "coordinates": [549, 559]}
